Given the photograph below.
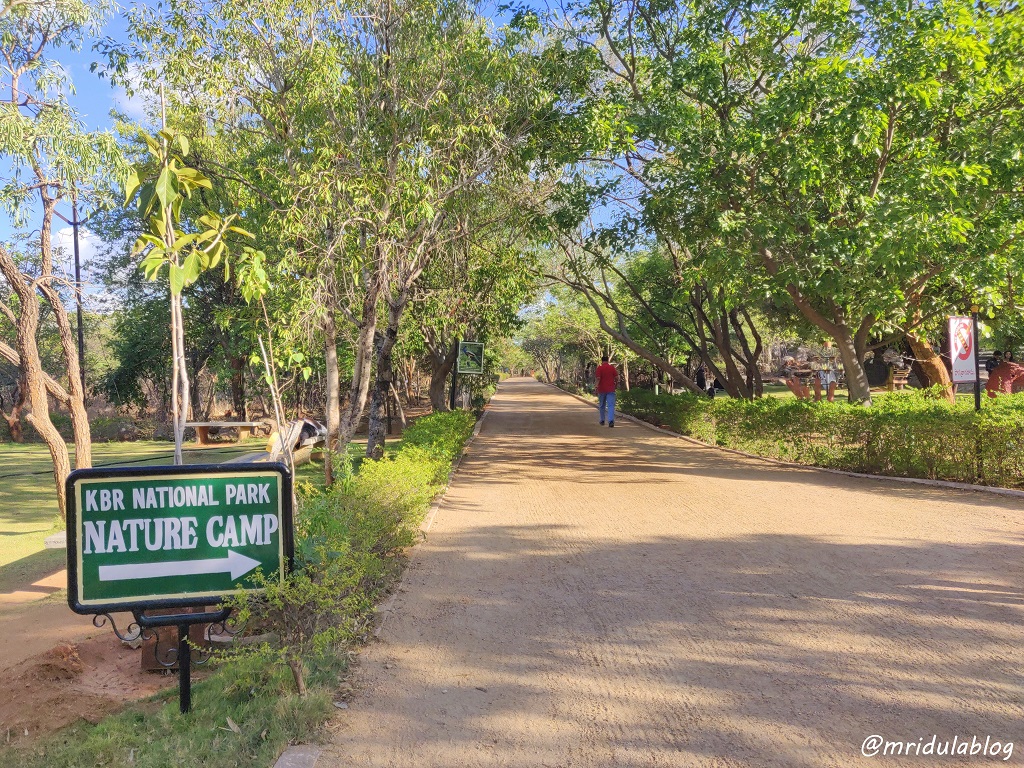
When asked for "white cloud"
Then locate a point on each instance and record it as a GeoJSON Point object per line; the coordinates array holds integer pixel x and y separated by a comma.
{"type": "Point", "coordinates": [95, 296]}
{"type": "Point", "coordinates": [88, 245]}
{"type": "Point", "coordinates": [133, 106]}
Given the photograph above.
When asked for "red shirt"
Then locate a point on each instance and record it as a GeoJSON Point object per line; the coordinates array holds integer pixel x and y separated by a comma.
{"type": "Point", "coordinates": [607, 378]}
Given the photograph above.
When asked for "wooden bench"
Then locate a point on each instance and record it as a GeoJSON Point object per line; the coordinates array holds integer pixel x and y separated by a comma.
{"type": "Point", "coordinates": [898, 378]}
{"type": "Point", "coordinates": [203, 428]}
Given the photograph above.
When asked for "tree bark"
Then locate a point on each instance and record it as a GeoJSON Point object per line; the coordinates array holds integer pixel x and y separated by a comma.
{"type": "Point", "coordinates": [384, 346]}
{"type": "Point", "coordinates": [68, 343]}
{"type": "Point", "coordinates": [410, 373]}
{"type": "Point", "coordinates": [361, 369]}
{"type": "Point", "coordinates": [440, 371]}
{"type": "Point", "coordinates": [856, 377]}
{"type": "Point", "coordinates": [298, 675]}
{"type": "Point", "coordinates": [931, 365]}
{"type": "Point", "coordinates": [180, 388]}
{"type": "Point", "coordinates": [32, 377]}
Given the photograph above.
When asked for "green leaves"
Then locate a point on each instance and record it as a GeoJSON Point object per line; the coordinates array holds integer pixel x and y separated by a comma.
{"type": "Point", "coordinates": [187, 254]}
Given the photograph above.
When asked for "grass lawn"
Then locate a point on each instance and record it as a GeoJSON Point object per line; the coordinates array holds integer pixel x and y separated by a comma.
{"type": "Point", "coordinates": [28, 500]}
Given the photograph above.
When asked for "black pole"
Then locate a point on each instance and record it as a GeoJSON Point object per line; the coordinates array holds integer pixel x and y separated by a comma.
{"type": "Point", "coordinates": [977, 358]}
{"type": "Point", "coordinates": [78, 295]}
{"type": "Point", "coordinates": [184, 669]}
{"type": "Point", "coordinates": [455, 378]}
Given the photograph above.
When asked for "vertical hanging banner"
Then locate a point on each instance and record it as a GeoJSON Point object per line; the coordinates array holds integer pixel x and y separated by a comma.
{"type": "Point", "coordinates": [471, 357]}
{"type": "Point", "coordinates": [174, 537]}
{"type": "Point", "coordinates": [961, 350]}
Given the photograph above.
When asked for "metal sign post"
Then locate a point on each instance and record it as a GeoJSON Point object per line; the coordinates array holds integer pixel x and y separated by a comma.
{"type": "Point", "coordinates": [977, 358]}
{"type": "Point", "coordinates": [147, 538]}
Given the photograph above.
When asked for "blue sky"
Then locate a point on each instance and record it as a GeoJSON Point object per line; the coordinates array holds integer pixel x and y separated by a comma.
{"type": "Point", "coordinates": [94, 98]}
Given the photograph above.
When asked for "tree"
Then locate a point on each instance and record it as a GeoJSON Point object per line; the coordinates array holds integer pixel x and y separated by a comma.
{"type": "Point", "coordinates": [162, 187]}
{"type": "Point", "coordinates": [51, 158]}
{"type": "Point", "coordinates": [475, 286]}
{"type": "Point", "coordinates": [860, 160]}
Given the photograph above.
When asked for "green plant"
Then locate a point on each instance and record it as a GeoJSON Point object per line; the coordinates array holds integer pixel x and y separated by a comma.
{"type": "Point", "coordinates": [347, 539]}
{"type": "Point", "coordinates": [441, 434]}
{"type": "Point", "coordinates": [907, 434]}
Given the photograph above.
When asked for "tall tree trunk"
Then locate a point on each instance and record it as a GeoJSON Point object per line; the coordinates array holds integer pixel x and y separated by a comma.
{"type": "Point", "coordinates": [362, 366]}
{"type": "Point", "coordinates": [68, 343]}
{"type": "Point", "coordinates": [360, 387]}
{"type": "Point", "coordinates": [384, 346]}
{"type": "Point", "coordinates": [410, 372]}
{"type": "Point", "coordinates": [32, 382]}
{"type": "Point", "coordinates": [398, 406]}
{"type": "Point", "coordinates": [625, 372]}
{"type": "Point", "coordinates": [440, 371]}
{"type": "Point", "coordinates": [931, 365]}
{"type": "Point", "coordinates": [856, 376]}
{"type": "Point", "coordinates": [238, 387]}
{"type": "Point", "coordinates": [180, 387]}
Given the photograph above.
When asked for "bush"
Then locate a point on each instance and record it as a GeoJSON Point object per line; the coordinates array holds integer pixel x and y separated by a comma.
{"type": "Point", "coordinates": [440, 434]}
{"type": "Point", "coordinates": [107, 429]}
{"type": "Point", "coordinates": [905, 434]}
{"type": "Point", "coordinates": [347, 539]}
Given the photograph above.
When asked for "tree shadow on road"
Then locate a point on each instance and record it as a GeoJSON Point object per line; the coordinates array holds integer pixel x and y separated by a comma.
{"type": "Point", "coordinates": [760, 650]}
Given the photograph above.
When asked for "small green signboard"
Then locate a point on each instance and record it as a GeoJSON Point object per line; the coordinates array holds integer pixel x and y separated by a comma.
{"type": "Point", "coordinates": [166, 537]}
{"type": "Point", "coordinates": [471, 357]}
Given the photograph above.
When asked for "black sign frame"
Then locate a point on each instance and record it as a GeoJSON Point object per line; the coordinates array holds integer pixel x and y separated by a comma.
{"type": "Point", "coordinates": [100, 473]}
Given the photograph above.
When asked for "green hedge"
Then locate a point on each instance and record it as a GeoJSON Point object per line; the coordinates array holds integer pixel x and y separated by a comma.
{"type": "Point", "coordinates": [440, 434]}
{"type": "Point", "coordinates": [908, 434]}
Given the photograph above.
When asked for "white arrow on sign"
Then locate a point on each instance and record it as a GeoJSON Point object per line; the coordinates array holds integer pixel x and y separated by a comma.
{"type": "Point", "coordinates": [235, 564]}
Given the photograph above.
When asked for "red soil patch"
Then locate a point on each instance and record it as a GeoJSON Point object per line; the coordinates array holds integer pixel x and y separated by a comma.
{"type": "Point", "coordinates": [87, 680]}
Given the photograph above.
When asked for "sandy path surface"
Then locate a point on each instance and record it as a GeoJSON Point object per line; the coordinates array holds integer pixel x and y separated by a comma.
{"type": "Point", "coordinates": [597, 597]}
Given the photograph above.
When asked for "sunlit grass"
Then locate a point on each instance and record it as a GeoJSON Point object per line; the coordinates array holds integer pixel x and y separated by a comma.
{"type": "Point", "coordinates": [28, 498]}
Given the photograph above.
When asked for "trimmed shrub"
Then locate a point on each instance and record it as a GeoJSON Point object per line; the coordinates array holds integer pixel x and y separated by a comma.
{"type": "Point", "coordinates": [440, 434]}
{"type": "Point", "coordinates": [905, 434]}
{"type": "Point", "coordinates": [346, 541]}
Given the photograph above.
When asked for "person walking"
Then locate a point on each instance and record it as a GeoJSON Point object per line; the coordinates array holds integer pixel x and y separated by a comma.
{"type": "Point", "coordinates": [828, 373]}
{"type": "Point", "coordinates": [607, 378]}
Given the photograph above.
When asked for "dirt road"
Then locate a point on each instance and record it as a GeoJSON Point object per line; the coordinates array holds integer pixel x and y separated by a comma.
{"type": "Point", "coordinates": [598, 597]}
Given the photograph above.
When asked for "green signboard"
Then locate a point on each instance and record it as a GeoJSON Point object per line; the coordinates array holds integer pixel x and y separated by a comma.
{"type": "Point", "coordinates": [471, 357]}
{"type": "Point", "coordinates": [166, 537]}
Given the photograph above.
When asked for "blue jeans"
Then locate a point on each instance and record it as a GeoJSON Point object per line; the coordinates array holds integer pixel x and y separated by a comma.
{"type": "Point", "coordinates": [606, 400]}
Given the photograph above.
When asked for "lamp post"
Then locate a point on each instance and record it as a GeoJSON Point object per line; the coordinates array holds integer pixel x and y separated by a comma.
{"type": "Point", "coordinates": [74, 222]}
